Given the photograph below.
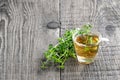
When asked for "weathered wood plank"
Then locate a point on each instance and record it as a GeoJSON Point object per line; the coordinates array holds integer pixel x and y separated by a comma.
{"type": "Point", "coordinates": [105, 16]}
{"type": "Point", "coordinates": [24, 37]}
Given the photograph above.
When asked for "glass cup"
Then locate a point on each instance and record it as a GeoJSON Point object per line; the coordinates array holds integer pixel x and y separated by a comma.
{"type": "Point", "coordinates": [86, 46]}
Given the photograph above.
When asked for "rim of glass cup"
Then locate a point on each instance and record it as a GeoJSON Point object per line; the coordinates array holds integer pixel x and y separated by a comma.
{"type": "Point", "coordinates": [80, 44]}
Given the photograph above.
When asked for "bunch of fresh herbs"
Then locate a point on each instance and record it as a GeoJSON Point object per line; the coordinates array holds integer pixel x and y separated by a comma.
{"type": "Point", "coordinates": [64, 50]}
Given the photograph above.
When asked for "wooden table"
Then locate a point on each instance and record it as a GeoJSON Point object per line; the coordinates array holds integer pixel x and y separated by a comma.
{"type": "Point", "coordinates": [24, 36]}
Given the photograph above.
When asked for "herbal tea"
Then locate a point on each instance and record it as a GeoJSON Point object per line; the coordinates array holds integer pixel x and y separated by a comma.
{"type": "Point", "coordinates": [86, 47]}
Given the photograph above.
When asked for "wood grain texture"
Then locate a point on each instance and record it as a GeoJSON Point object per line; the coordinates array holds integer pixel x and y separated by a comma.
{"type": "Point", "coordinates": [105, 16]}
{"type": "Point", "coordinates": [24, 37]}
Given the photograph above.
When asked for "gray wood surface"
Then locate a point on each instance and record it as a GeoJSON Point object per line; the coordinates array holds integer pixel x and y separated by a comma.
{"type": "Point", "coordinates": [105, 16]}
{"type": "Point", "coordinates": [24, 36]}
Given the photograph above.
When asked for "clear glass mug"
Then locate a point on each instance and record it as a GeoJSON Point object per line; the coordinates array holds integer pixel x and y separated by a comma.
{"type": "Point", "coordinates": [86, 53]}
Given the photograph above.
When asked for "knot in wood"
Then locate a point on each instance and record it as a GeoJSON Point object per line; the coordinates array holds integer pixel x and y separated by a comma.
{"type": "Point", "coordinates": [53, 25]}
{"type": "Point", "coordinates": [110, 28]}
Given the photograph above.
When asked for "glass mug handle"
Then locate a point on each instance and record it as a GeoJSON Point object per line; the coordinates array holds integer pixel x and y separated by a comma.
{"type": "Point", "coordinates": [104, 39]}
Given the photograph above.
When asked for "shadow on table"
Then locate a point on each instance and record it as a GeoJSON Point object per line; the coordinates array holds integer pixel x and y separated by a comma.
{"type": "Point", "coordinates": [72, 65]}
{"type": "Point", "coordinates": [50, 67]}
{"type": "Point", "coordinates": [50, 73]}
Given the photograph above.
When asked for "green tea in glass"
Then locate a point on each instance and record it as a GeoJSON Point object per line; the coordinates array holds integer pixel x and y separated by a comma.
{"type": "Point", "coordinates": [86, 46]}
